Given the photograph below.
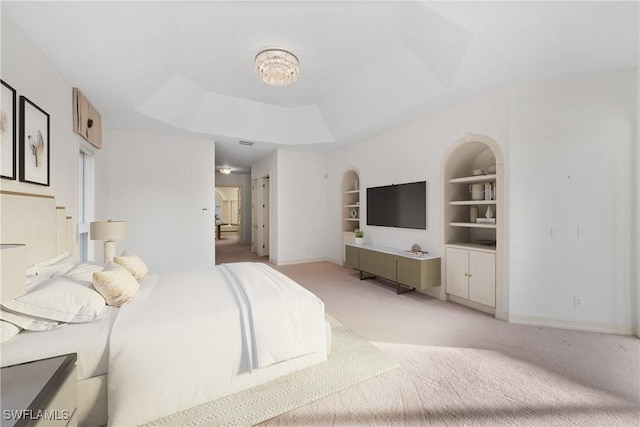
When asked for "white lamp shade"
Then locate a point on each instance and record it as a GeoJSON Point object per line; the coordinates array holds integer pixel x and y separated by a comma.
{"type": "Point", "coordinates": [12, 271]}
{"type": "Point", "coordinates": [108, 230]}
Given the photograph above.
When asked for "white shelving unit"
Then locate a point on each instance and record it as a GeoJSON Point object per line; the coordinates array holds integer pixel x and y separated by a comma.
{"type": "Point", "coordinates": [350, 202]}
{"type": "Point", "coordinates": [473, 251]}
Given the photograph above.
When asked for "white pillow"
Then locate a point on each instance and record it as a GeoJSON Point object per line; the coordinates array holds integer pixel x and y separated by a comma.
{"type": "Point", "coordinates": [29, 323]}
{"type": "Point", "coordinates": [133, 263]}
{"type": "Point", "coordinates": [82, 271]}
{"type": "Point", "coordinates": [49, 269]}
{"type": "Point", "coordinates": [115, 284]}
{"type": "Point", "coordinates": [8, 331]}
{"type": "Point", "coordinates": [60, 299]}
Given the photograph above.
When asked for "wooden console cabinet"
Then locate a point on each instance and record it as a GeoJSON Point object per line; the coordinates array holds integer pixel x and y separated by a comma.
{"type": "Point", "coordinates": [407, 271]}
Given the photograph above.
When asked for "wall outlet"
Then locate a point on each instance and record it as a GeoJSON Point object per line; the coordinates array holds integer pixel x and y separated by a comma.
{"type": "Point", "coordinates": [577, 302]}
{"type": "Point", "coordinates": [559, 232]}
{"type": "Point", "coordinates": [584, 233]}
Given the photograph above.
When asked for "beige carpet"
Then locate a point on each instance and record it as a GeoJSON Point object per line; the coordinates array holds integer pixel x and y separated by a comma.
{"type": "Point", "coordinates": [463, 367]}
{"type": "Point", "coordinates": [352, 360]}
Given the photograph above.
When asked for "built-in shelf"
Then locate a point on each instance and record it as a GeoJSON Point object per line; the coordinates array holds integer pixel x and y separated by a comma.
{"type": "Point", "coordinates": [355, 206]}
{"type": "Point", "coordinates": [471, 225]}
{"type": "Point", "coordinates": [472, 179]}
{"type": "Point", "coordinates": [352, 219]}
{"type": "Point", "coordinates": [473, 202]}
{"type": "Point", "coordinates": [473, 245]}
{"type": "Point", "coordinates": [352, 191]}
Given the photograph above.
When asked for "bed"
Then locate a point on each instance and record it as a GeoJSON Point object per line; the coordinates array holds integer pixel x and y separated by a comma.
{"type": "Point", "coordinates": [196, 336]}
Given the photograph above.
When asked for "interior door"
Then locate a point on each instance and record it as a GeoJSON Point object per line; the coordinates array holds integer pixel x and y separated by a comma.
{"type": "Point", "coordinates": [239, 215]}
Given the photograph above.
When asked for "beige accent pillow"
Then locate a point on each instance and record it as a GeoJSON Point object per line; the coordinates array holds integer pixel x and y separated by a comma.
{"type": "Point", "coordinates": [133, 264]}
{"type": "Point", "coordinates": [116, 285]}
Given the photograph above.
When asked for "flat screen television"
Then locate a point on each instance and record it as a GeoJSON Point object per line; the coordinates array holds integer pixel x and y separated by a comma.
{"type": "Point", "coordinates": [401, 205]}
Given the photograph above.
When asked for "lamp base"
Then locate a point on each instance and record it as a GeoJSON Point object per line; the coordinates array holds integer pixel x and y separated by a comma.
{"type": "Point", "coordinates": [109, 251]}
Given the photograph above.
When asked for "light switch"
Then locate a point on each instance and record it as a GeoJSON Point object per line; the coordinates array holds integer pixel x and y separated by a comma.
{"type": "Point", "coordinates": [559, 232]}
{"type": "Point", "coordinates": [204, 211]}
{"type": "Point", "coordinates": [584, 233]}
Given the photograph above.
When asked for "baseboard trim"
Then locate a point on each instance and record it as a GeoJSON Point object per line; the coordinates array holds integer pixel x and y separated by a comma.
{"type": "Point", "coordinates": [304, 261]}
{"type": "Point", "coordinates": [579, 325]}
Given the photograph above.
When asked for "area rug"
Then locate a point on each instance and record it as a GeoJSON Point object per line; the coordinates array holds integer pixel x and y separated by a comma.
{"type": "Point", "coordinates": [352, 360]}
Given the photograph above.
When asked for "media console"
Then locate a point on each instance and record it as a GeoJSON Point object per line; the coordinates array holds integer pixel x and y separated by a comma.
{"type": "Point", "coordinates": [407, 270]}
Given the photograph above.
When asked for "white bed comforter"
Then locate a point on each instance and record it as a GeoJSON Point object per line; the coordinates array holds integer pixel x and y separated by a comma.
{"type": "Point", "coordinates": [188, 339]}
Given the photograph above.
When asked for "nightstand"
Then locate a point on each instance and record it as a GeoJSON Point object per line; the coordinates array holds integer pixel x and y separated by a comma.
{"type": "Point", "coordinates": [40, 393]}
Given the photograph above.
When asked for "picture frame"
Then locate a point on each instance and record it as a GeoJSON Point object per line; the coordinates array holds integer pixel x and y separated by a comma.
{"type": "Point", "coordinates": [8, 132]}
{"type": "Point", "coordinates": [35, 146]}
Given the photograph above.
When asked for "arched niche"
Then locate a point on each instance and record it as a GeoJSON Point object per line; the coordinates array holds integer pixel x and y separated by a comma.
{"type": "Point", "coordinates": [474, 152]}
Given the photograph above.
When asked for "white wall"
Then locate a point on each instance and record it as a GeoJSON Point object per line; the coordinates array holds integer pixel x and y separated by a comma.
{"type": "Point", "coordinates": [569, 148]}
{"type": "Point", "coordinates": [244, 182]}
{"type": "Point", "coordinates": [410, 153]}
{"type": "Point", "coordinates": [302, 207]}
{"type": "Point", "coordinates": [29, 72]}
{"type": "Point", "coordinates": [159, 185]}
{"type": "Point", "coordinates": [572, 167]}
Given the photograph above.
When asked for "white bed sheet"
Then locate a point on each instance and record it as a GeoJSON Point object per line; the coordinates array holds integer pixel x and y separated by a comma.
{"type": "Point", "coordinates": [89, 340]}
{"type": "Point", "coordinates": [170, 351]}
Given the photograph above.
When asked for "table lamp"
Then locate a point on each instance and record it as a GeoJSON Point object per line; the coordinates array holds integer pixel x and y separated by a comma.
{"type": "Point", "coordinates": [108, 231]}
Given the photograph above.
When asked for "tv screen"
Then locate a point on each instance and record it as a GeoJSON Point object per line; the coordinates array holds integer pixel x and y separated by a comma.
{"type": "Point", "coordinates": [402, 205]}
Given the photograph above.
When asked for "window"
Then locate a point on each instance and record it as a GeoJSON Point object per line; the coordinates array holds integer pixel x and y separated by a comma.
{"type": "Point", "coordinates": [85, 204]}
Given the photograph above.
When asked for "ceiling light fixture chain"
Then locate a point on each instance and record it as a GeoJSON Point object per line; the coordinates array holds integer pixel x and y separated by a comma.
{"type": "Point", "coordinates": [277, 67]}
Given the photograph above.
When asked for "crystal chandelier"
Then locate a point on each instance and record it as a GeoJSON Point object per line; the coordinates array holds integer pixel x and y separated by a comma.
{"type": "Point", "coordinates": [277, 67]}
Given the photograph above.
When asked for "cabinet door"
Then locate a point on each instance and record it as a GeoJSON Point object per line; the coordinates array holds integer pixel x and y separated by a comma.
{"type": "Point", "coordinates": [482, 278]}
{"type": "Point", "coordinates": [457, 272]}
{"type": "Point", "coordinates": [409, 272]}
{"type": "Point", "coordinates": [351, 257]}
{"type": "Point", "coordinates": [378, 263]}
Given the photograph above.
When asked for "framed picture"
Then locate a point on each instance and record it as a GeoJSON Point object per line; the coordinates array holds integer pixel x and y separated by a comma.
{"type": "Point", "coordinates": [8, 132]}
{"type": "Point", "coordinates": [34, 143]}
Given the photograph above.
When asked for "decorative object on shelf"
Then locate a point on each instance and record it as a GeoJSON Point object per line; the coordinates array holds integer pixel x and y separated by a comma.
{"type": "Point", "coordinates": [477, 191]}
{"type": "Point", "coordinates": [277, 67]}
{"type": "Point", "coordinates": [8, 132]}
{"type": "Point", "coordinates": [416, 248]}
{"type": "Point", "coordinates": [108, 231]}
{"type": "Point", "coordinates": [478, 172]}
{"type": "Point", "coordinates": [473, 213]}
{"type": "Point", "coordinates": [226, 170]}
{"type": "Point", "coordinates": [489, 213]}
{"type": "Point", "coordinates": [354, 213]}
{"type": "Point", "coordinates": [488, 191]}
{"type": "Point", "coordinates": [34, 143]}
{"type": "Point", "coordinates": [492, 166]}
{"type": "Point", "coordinates": [486, 220]}
{"type": "Point", "coordinates": [356, 185]}
{"type": "Point", "coordinates": [358, 203]}
{"type": "Point", "coordinates": [359, 237]}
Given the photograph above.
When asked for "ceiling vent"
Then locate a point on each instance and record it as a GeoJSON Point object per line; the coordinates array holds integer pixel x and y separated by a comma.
{"type": "Point", "coordinates": [247, 143]}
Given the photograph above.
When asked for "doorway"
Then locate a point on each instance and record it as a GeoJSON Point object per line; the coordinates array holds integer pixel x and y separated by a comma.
{"type": "Point", "coordinates": [228, 214]}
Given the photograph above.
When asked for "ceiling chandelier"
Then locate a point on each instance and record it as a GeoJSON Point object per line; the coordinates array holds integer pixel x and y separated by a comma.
{"type": "Point", "coordinates": [277, 67]}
